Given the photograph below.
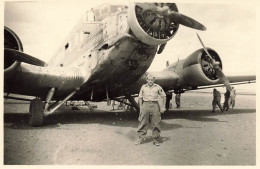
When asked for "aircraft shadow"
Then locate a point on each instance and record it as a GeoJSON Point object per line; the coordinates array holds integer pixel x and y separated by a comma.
{"type": "Point", "coordinates": [121, 119]}
{"type": "Point", "coordinates": [202, 115]}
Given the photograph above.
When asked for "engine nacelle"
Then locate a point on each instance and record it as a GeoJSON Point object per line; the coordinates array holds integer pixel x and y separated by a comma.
{"type": "Point", "coordinates": [150, 24]}
{"type": "Point", "coordinates": [11, 41]}
{"type": "Point", "coordinates": [198, 70]}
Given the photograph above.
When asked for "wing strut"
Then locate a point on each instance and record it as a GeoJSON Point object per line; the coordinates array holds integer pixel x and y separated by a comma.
{"type": "Point", "coordinates": [132, 101]}
{"type": "Point", "coordinates": [108, 99]}
{"type": "Point", "coordinates": [48, 98]}
{"type": "Point", "coordinates": [56, 106]}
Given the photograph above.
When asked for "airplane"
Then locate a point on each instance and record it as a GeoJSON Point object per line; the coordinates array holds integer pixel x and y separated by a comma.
{"type": "Point", "coordinates": [106, 57]}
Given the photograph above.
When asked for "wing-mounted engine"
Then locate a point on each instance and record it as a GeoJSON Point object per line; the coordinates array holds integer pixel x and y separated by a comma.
{"type": "Point", "coordinates": [150, 23]}
{"type": "Point", "coordinates": [157, 23]}
{"type": "Point", "coordinates": [198, 69]}
{"type": "Point", "coordinates": [13, 54]}
{"type": "Point", "coordinates": [11, 41]}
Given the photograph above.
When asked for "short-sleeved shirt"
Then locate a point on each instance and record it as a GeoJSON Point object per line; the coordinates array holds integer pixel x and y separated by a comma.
{"type": "Point", "coordinates": [151, 93]}
{"type": "Point", "coordinates": [216, 94]}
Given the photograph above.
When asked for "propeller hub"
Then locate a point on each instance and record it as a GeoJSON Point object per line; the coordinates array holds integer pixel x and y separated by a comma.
{"type": "Point", "coordinates": [155, 21]}
{"type": "Point", "coordinates": [162, 11]}
{"type": "Point", "coordinates": [216, 64]}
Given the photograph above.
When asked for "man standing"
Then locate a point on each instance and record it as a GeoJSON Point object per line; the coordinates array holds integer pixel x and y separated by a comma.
{"type": "Point", "coordinates": [232, 98]}
{"type": "Point", "coordinates": [150, 109]}
{"type": "Point", "coordinates": [216, 100]}
{"type": "Point", "coordinates": [178, 100]}
{"type": "Point", "coordinates": [168, 105]}
{"type": "Point", "coordinates": [227, 95]}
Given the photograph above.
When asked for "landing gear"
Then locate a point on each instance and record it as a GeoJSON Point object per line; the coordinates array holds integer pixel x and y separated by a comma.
{"type": "Point", "coordinates": [36, 113]}
{"type": "Point", "coordinates": [168, 99]}
{"type": "Point", "coordinates": [132, 101]}
{"type": "Point", "coordinates": [39, 110]}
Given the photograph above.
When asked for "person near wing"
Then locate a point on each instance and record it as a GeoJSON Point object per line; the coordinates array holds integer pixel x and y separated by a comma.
{"type": "Point", "coordinates": [227, 96]}
{"type": "Point", "coordinates": [232, 98]}
{"type": "Point", "coordinates": [152, 103]}
{"type": "Point", "coordinates": [178, 100]}
{"type": "Point", "coordinates": [216, 100]}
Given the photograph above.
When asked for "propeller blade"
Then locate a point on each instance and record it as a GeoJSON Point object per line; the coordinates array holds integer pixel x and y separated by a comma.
{"type": "Point", "coordinates": [186, 21]}
{"type": "Point", "coordinates": [205, 49]}
{"type": "Point", "coordinates": [216, 67]}
{"type": "Point", "coordinates": [22, 57]}
{"type": "Point", "coordinates": [223, 78]}
{"type": "Point", "coordinates": [163, 9]}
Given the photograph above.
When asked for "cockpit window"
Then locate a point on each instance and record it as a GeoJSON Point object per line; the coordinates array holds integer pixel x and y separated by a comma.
{"type": "Point", "coordinates": [105, 10]}
{"type": "Point", "coordinates": [116, 8]}
{"type": "Point", "coordinates": [97, 13]}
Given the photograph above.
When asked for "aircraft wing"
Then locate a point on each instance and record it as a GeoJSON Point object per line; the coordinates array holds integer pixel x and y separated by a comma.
{"type": "Point", "coordinates": [171, 81]}
{"type": "Point", "coordinates": [33, 80]}
{"type": "Point", "coordinates": [237, 79]}
{"type": "Point", "coordinates": [196, 72]}
{"type": "Point", "coordinates": [166, 78]}
{"type": "Point", "coordinates": [234, 80]}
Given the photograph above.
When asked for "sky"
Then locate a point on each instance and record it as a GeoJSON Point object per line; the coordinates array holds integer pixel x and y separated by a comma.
{"type": "Point", "coordinates": [231, 30]}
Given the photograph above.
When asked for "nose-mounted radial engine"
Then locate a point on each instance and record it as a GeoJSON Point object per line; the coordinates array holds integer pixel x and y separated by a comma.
{"type": "Point", "coordinates": [157, 23]}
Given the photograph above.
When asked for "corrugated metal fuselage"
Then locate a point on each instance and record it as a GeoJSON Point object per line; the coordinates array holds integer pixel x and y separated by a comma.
{"type": "Point", "coordinates": [117, 68]}
{"type": "Point", "coordinates": [101, 57]}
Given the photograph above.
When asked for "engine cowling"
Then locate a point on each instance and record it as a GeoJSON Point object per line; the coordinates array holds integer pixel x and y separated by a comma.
{"type": "Point", "coordinates": [198, 70]}
{"type": "Point", "coordinates": [11, 41]}
{"type": "Point", "coordinates": [150, 23]}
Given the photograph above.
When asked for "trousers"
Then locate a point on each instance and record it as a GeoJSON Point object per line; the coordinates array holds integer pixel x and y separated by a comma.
{"type": "Point", "coordinates": [216, 101]}
{"type": "Point", "coordinates": [149, 113]}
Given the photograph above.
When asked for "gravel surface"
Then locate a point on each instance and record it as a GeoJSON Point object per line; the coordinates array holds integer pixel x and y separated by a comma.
{"type": "Point", "coordinates": [192, 135]}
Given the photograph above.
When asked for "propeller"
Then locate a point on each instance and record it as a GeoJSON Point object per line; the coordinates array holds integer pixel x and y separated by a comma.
{"type": "Point", "coordinates": [22, 57]}
{"type": "Point", "coordinates": [215, 67]}
{"type": "Point", "coordinates": [186, 21]}
{"type": "Point", "coordinates": [168, 10]}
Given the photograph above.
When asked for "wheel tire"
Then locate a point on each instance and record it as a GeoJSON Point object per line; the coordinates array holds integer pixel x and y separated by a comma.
{"type": "Point", "coordinates": [36, 113]}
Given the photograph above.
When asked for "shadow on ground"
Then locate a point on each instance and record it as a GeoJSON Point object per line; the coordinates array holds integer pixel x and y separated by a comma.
{"type": "Point", "coordinates": [122, 119]}
{"type": "Point", "coordinates": [203, 115]}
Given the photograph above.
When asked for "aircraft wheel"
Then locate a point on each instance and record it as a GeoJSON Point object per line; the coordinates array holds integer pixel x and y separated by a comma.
{"type": "Point", "coordinates": [36, 113]}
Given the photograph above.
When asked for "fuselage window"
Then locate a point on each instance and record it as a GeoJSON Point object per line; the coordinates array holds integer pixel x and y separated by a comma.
{"type": "Point", "coordinates": [97, 13]}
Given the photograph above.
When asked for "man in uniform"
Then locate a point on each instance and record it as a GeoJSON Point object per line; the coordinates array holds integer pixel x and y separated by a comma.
{"type": "Point", "coordinates": [178, 100]}
{"type": "Point", "coordinates": [216, 100]}
{"type": "Point", "coordinates": [232, 98]}
{"type": "Point", "coordinates": [227, 96]}
{"type": "Point", "coordinates": [151, 107]}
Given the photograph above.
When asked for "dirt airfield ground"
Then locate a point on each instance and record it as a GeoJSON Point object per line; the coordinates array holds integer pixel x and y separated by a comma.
{"type": "Point", "coordinates": [192, 135]}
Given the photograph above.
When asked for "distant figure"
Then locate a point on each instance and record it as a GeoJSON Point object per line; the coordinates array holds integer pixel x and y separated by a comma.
{"type": "Point", "coordinates": [121, 105]}
{"type": "Point", "coordinates": [216, 100]}
{"type": "Point", "coordinates": [232, 98]}
{"type": "Point", "coordinates": [227, 96]}
{"type": "Point", "coordinates": [74, 105]}
{"type": "Point", "coordinates": [178, 100]}
{"type": "Point", "coordinates": [113, 104]}
{"type": "Point", "coordinates": [168, 105]}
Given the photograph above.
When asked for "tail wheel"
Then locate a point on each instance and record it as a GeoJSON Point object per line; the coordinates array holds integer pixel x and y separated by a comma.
{"type": "Point", "coordinates": [36, 113]}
